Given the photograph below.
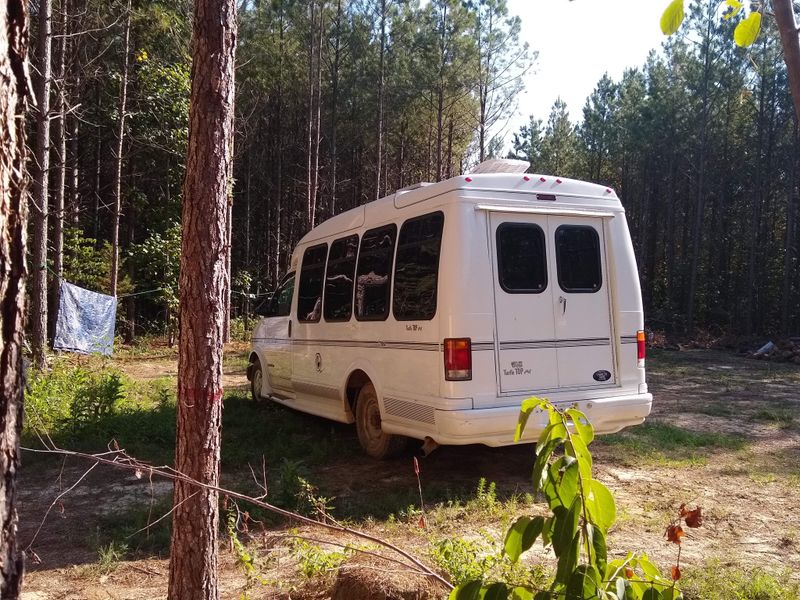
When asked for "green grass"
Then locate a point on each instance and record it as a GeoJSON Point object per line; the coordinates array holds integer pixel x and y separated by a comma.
{"type": "Point", "coordinates": [781, 417]}
{"type": "Point", "coordinates": [718, 581]}
{"type": "Point", "coordinates": [660, 443]}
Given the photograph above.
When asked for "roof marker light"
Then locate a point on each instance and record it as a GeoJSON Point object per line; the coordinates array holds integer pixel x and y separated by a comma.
{"type": "Point", "coordinates": [558, 181]}
{"type": "Point", "coordinates": [526, 178]}
{"type": "Point", "coordinates": [609, 191]}
{"type": "Point", "coordinates": [542, 179]}
{"type": "Point", "coordinates": [467, 179]}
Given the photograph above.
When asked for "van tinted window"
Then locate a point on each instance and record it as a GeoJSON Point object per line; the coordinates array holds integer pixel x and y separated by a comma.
{"type": "Point", "coordinates": [521, 258]}
{"type": "Point", "coordinates": [309, 300]}
{"type": "Point", "coordinates": [339, 279]}
{"type": "Point", "coordinates": [416, 269]}
{"type": "Point", "coordinates": [578, 259]}
{"type": "Point", "coordinates": [281, 302]}
{"type": "Point", "coordinates": [373, 284]}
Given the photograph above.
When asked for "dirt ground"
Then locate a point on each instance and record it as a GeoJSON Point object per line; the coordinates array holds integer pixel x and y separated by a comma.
{"type": "Point", "coordinates": [748, 487]}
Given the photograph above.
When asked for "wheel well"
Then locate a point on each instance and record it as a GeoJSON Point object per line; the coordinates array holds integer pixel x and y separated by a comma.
{"type": "Point", "coordinates": [253, 358]}
{"type": "Point", "coordinates": [355, 382]}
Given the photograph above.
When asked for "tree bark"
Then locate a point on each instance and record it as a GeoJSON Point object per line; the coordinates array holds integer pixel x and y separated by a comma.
{"type": "Point", "coordinates": [13, 272]}
{"type": "Point", "coordinates": [40, 169]}
{"type": "Point", "coordinates": [193, 560]}
{"type": "Point", "coordinates": [61, 172]}
{"type": "Point", "coordinates": [788, 30]}
{"type": "Point", "coordinates": [123, 105]}
{"type": "Point", "coordinates": [381, 85]}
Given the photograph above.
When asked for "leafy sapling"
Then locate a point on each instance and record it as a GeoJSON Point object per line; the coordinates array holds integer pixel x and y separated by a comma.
{"type": "Point", "coordinates": [582, 512]}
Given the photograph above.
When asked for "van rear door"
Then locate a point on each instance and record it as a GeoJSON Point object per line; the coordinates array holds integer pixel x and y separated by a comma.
{"type": "Point", "coordinates": [553, 318]}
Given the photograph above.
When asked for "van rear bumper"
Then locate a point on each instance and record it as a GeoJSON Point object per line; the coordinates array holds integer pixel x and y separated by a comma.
{"type": "Point", "coordinates": [495, 426]}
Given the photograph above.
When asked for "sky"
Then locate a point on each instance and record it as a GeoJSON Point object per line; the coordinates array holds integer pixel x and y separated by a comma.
{"type": "Point", "coordinates": [577, 42]}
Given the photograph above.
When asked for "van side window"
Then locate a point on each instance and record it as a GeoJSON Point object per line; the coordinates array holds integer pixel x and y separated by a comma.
{"type": "Point", "coordinates": [338, 304]}
{"type": "Point", "coordinates": [416, 271]}
{"type": "Point", "coordinates": [281, 303]}
{"type": "Point", "coordinates": [373, 285]}
{"type": "Point", "coordinates": [521, 258]}
{"type": "Point", "coordinates": [578, 259]}
{"type": "Point", "coordinates": [309, 301]}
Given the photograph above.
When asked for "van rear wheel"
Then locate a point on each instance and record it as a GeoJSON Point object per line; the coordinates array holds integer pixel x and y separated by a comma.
{"type": "Point", "coordinates": [375, 442]}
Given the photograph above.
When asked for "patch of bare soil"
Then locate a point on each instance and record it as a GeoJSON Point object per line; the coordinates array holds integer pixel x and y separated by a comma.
{"type": "Point", "coordinates": [749, 495]}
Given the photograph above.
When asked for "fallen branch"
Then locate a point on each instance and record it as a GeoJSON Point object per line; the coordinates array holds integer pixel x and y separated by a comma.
{"type": "Point", "coordinates": [118, 458]}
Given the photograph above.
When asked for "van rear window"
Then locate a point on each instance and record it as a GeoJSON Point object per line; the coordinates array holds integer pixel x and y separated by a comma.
{"type": "Point", "coordinates": [578, 259]}
{"type": "Point", "coordinates": [373, 285]}
{"type": "Point", "coordinates": [339, 279]}
{"type": "Point", "coordinates": [309, 300]}
{"type": "Point", "coordinates": [416, 270]}
{"type": "Point", "coordinates": [521, 258]}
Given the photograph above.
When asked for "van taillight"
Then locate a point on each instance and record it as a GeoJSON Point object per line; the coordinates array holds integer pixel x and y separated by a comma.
{"type": "Point", "coordinates": [457, 359]}
{"type": "Point", "coordinates": [640, 348]}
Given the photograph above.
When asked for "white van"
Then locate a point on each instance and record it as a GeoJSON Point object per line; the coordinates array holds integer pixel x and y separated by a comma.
{"type": "Point", "coordinates": [432, 313]}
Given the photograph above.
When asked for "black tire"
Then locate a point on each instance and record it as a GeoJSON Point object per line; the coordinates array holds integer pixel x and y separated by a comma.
{"type": "Point", "coordinates": [256, 381]}
{"type": "Point", "coordinates": [375, 442]}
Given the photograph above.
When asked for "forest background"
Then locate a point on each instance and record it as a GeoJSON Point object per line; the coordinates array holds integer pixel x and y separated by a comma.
{"type": "Point", "coordinates": [341, 102]}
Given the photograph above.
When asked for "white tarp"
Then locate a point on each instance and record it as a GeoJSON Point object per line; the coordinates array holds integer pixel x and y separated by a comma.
{"type": "Point", "coordinates": [85, 321]}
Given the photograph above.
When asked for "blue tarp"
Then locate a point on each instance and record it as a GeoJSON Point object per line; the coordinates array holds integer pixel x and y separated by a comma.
{"type": "Point", "coordinates": [85, 321]}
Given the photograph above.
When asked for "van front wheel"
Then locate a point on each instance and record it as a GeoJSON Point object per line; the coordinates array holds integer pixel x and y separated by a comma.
{"type": "Point", "coordinates": [256, 381]}
{"type": "Point", "coordinates": [375, 442]}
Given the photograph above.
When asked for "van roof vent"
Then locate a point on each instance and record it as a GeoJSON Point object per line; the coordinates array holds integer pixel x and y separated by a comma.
{"type": "Point", "coordinates": [501, 165]}
{"type": "Point", "coordinates": [416, 186]}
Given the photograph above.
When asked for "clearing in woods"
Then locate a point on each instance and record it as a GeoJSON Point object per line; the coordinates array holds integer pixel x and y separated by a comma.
{"type": "Point", "coordinates": [724, 434]}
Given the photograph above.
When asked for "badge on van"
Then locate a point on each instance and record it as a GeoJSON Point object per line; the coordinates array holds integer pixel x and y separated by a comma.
{"type": "Point", "coordinates": [601, 375]}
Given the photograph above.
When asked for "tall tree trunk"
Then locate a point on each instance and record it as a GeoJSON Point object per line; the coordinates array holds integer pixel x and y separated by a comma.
{"type": "Point", "coordinates": [123, 106]}
{"type": "Point", "coordinates": [790, 250]}
{"type": "Point", "coordinates": [40, 170]}
{"type": "Point", "coordinates": [317, 120]}
{"type": "Point", "coordinates": [13, 272]}
{"type": "Point", "coordinates": [788, 30]}
{"type": "Point", "coordinates": [337, 46]}
{"type": "Point", "coordinates": [193, 556]}
{"type": "Point", "coordinates": [61, 172]}
{"type": "Point", "coordinates": [381, 84]}
{"type": "Point", "coordinates": [310, 128]}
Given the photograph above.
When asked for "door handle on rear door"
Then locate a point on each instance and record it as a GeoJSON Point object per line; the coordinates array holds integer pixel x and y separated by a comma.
{"type": "Point", "coordinates": [290, 329]}
{"type": "Point", "coordinates": [563, 302]}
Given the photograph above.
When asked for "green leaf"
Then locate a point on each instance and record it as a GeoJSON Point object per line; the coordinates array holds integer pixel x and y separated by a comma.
{"type": "Point", "coordinates": [747, 31]}
{"type": "Point", "coordinates": [582, 426]}
{"type": "Point", "coordinates": [496, 591]}
{"type": "Point", "coordinates": [577, 449]}
{"type": "Point", "coordinates": [568, 560]}
{"type": "Point", "coordinates": [540, 465]}
{"type": "Point", "coordinates": [648, 568]}
{"type": "Point", "coordinates": [553, 431]}
{"type": "Point", "coordinates": [598, 542]}
{"type": "Point", "coordinates": [561, 486]}
{"type": "Point", "coordinates": [547, 531]}
{"type": "Point", "coordinates": [672, 18]}
{"type": "Point", "coordinates": [652, 594]}
{"type": "Point", "coordinates": [621, 585]}
{"type": "Point", "coordinates": [521, 593]}
{"type": "Point", "coordinates": [521, 536]}
{"type": "Point", "coordinates": [735, 8]}
{"type": "Point", "coordinates": [566, 526]}
{"type": "Point", "coordinates": [583, 583]}
{"type": "Point", "coordinates": [601, 506]}
{"type": "Point", "coordinates": [528, 406]}
{"type": "Point", "coordinates": [469, 590]}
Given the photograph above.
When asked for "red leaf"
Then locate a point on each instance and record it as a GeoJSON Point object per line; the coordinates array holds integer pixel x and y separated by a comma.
{"type": "Point", "coordinates": [674, 534]}
{"type": "Point", "coordinates": [629, 573]}
{"type": "Point", "coordinates": [694, 518]}
{"type": "Point", "coordinates": [676, 573]}
{"type": "Point", "coordinates": [416, 466]}
{"type": "Point", "coordinates": [421, 521]}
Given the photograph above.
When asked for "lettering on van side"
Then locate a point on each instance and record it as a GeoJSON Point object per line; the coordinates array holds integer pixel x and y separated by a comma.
{"type": "Point", "coordinates": [413, 327]}
{"type": "Point", "coordinates": [517, 368]}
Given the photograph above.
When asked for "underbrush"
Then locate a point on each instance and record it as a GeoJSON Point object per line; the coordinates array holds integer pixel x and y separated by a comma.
{"type": "Point", "coordinates": [718, 581]}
